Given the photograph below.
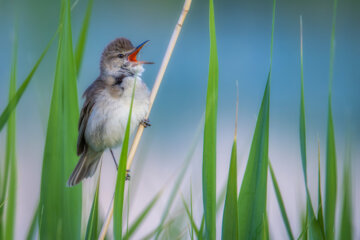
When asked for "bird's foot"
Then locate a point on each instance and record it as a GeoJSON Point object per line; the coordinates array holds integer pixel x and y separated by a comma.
{"type": "Point", "coordinates": [127, 178]}
{"type": "Point", "coordinates": [145, 122]}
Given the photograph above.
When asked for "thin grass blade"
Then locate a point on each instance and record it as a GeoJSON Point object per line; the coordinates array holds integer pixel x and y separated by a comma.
{"type": "Point", "coordinates": [181, 175]}
{"type": "Point", "coordinates": [191, 212]}
{"type": "Point", "coordinates": [33, 225]}
{"type": "Point", "coordinates": [230, 218]}
{"type": "Point", "coordinates": [265, 231]}
{"type": "Point", "coordinates": [331, 179]}
{"type": "Point", "coordinates": [209, 149]}
{"type": "Point", "coordinates": [121, 176]}
{"type": "Point", "coordinates": [252, 197]}
{"type": "Point", "coordinates": [346, 223]}
{"type": "Point", "coordinates": [314, 226]}
{"type": "Point", "coordinates": [151, 234]}
{"type": "Point", "coordinates": [139, 220]}
{"type": "Point", "coordinates": [304, 226]}
{"type": "Point", "coordinates": [253, 192]}
{"type": "Point", "coordinates": [93, 221]}
{"type": "Point", "coordinates": [320, 214]}
{"type": "Point", "coordinates": [281, 203]}
{"type": "Point", "coordinates": [219, 202]}
{"type": "Point", "coordinates": [10, 156]}
{"type": "Point", "coordinates": [19, 93]}
{"type": "Point", "coordinates": [331, 173]}
{"type": "Point", "coordinates": [80, 46]}
{"type": "Point", "coordinates": [191, 219]}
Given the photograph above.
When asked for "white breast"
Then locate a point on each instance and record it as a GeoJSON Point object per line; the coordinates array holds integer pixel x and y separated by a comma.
{"type": "Point", "coordinates": [107, 122]}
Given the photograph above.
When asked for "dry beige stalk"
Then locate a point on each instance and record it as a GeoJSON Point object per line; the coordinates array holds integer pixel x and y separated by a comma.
{"type": "Point", "coordinates": [159, 78]}
{"type": "Point", "coordinates": [154, 91]}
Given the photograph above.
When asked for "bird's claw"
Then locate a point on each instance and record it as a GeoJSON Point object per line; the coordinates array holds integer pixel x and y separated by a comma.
{"type": "Point", "coordinates": [145, 123]}
{"type": "Point", "coordinates": [127, 178]}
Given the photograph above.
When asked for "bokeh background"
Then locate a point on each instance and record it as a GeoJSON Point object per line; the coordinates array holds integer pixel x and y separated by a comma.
{"type": "Point", "coordinates": [243, 35]}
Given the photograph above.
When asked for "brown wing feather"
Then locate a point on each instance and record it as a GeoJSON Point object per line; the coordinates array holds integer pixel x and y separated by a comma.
{"type": "Point", "coordinates": [90, 97]}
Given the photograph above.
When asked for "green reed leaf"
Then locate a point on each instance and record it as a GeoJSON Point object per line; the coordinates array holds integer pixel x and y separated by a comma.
{"type": "Point", "coordinates": [209, 149]}
{"type": "Point", "coordinates": [61, 206]}
{"type": "Point", "coordinates": [10, 156]}
{"type": "Point", "coordinates": [181, 175]}
{"type": "Point", "coordinates": [252, 197]}
{"type": "Point", "coordinates": [320, 214]}
{"type": "Point", "coordinates": [140, 219]}
{"type": "Point", "coordinates": [93, 221]}
{"type": "Point", "coordinates": [346, 223]}
{"type": "Point", "coordinates": [230, 216]}
{"type": "Point", "coordinates": [253, 191]}
{"type": "Point", "coordinates": [121, 177]}
{"type": "Point", "coordinates": [81, 43]}
{"type": "Point", "coordinates": [19, 93]}
{"type": "Point", "coordinates": [32, 229]}
{"type": "Point", "coordinates": [313, 222]}
{"type": "Point", "coordinates": [191, 219]}
{"type": "Point", "coordinates": [331, 173]}
{"type": "Point", "coordinates": [281, 203]}
{"type": "Point", "coordinates": [265, 230]}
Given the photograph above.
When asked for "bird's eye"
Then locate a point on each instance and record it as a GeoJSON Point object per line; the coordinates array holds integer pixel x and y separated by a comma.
{"type": "Point", "coordinates": [121, 55]}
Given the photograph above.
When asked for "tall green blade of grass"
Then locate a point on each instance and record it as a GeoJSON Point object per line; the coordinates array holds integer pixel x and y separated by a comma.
{"type": "Point", "coordinates": [281, 203]}
{"type": "Point", "coordinates": [265, 226]}
{"type": "Point", "coordinates": [252, 196]}
{"type": "Point", "coordinates": [219, 202]}
{"type": "Point", "coordinates": [73, 196]}
{"type": "Point", "coordinates": [331, 174]}
{"type": "Point", "coordinates": [180, 177]}
{"type": "Point", "coordinates": [139, 220]}
{"type": "Point", "coordinates": [346, 231]}
{"type": "Point", "coordinates": [191, 219]}
{"type": "Point", "coordinates": [61, 206]}
{"type": "Point", "coordinates": [16, 98]}
{"type": "Point", "coordinates": [320, 214]}
{"type": "Point", "coordinates": [32, 229]}
{"type": "Point", "coordinates": [209, 149]}
{"type": "Point", "coordinates": [230, 214]}
{"type": "Point", "coordinates": [331, 177]}
{"type": "Point", "coordinates": [151, 234]}
{"type": "Point", "coordinates": [174, 190]}
{"type": "Point", "coordinates": [92, 225]}
{"type": "Point", "coordinates": [304, 226]}
{"type": "Point", "coordinates": [302, 109]}
{"type": "Point", "coordinates": [191, 212]}
{"type": "Point", "coordinates": [121, 177]}
{"type": "Point", "coordinates": [80, 46]}
{"type": "Point", "coordinates": [230, 218]}
{"type": "Point", "coordinates": [314, 226]}
{"type": "Point", "coordinates": [10, 156]}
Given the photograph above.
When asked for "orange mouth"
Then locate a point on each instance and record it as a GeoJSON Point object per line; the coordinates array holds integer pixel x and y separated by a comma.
{"type": "Point", "coordinates": [133, 54]}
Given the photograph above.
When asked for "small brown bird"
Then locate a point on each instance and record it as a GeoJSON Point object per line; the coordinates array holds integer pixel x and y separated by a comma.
{"type": "Point", "coordinates": [105, 111]}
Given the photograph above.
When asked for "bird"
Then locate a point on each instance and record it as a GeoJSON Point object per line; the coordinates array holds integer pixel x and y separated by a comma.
{"type": "Point", "coordinates": [105, 111]}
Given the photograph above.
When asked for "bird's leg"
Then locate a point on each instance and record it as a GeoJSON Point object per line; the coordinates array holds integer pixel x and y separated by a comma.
{"type": "Point", "coordinates": [113, 156]}
{"type": "Point", "coordinates": [127, 178]}
{"type": "Point", "coordinates": [145, 122]}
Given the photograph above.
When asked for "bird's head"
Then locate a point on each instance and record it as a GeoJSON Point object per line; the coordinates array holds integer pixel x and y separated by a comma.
{"type": "Point", "coordinates": [119, 58]}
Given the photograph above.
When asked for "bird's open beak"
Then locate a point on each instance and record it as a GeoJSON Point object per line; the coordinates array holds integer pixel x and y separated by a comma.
{"type": "Point", "coordinates": [133, 54]}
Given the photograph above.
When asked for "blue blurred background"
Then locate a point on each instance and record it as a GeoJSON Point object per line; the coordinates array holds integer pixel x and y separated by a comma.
{"type": "Point", "coordinates": [243, 36]}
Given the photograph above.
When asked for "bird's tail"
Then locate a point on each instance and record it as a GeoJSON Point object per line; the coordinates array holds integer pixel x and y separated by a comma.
{"type": "Point", "coordinates": [86, 167]}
